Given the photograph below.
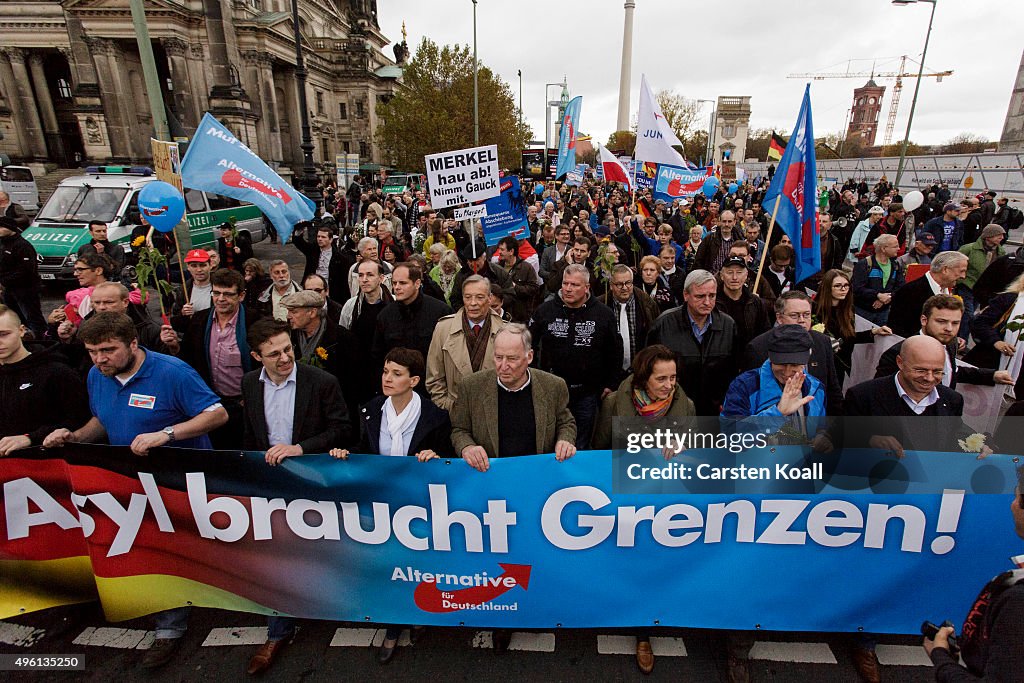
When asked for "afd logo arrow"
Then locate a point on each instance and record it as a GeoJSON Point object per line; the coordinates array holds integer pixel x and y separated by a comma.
{"type": "Point", "coordinates": [429, 599]}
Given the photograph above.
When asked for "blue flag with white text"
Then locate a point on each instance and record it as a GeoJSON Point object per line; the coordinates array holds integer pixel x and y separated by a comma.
{"type": "Point", "coordinates": [795, 181]}
{"type": "Point", "coordinates": [567, 137]}
{"type": "Point", "coordinates": [219, 162]}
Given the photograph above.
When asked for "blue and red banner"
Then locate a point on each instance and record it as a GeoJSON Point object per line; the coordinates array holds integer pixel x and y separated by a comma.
{"type": "Point", "coordinates": [567, 137]}
{"type": "Point", "coordinates": [220, 163]}
{"type": "Point", "coordinates": [677, 182]}
{"type": "Point", "coordinates": [794, 186]}
{"type": "Point", "coordinates": [530, 543]}
{"type": "Point", "coordinates": [506, 213]}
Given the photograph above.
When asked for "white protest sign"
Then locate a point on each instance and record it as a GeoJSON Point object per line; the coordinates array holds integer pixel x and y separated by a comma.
{"type": "Point", "coordinates": [471, 212]}
{"type": "Point", "coordinates": [463, 176]}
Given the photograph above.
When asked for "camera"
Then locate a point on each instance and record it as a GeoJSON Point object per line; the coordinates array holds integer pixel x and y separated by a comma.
{"type": "Point", "coordinates": [930, 630]}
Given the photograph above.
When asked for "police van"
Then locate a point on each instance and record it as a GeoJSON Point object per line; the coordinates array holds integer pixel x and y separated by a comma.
{"type": "Point", "coordinates": [111, 194]}
{"type": "Point", "coordinates": [20, 185]}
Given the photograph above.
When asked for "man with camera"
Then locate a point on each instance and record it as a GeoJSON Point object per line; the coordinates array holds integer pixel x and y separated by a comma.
{"type": "Point", "coordinates": [993, 632]}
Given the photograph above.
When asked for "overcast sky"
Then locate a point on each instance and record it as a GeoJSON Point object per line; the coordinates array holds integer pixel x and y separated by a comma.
{"type": "Point", "coordinates": [742, 47]}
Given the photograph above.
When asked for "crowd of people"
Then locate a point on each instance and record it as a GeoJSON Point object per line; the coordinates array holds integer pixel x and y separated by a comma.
{"type": "Point", "coordinates": [406, 335]}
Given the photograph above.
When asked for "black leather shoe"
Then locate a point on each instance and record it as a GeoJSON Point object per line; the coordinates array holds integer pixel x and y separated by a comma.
{"type": "Point", "coordinates": [386, 652]}
{"type": "Point", "coordinates": [416, 634]}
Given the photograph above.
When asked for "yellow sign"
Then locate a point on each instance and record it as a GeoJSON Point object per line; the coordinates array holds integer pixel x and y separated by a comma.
{"type": "Point", "coordinates": [167, 167]}
{"type": "Point", "coordinates": [969, 182]}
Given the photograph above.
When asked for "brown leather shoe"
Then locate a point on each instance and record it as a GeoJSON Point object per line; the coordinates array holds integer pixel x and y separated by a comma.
{"type": "Point", "coordinates": [160, 652]}
{"type": "Point", "coordinates": [644, 656]}
{"type": "Point", "coordinates": [866, 664]}
{"type": "Point", "coordinates": [265, 656]}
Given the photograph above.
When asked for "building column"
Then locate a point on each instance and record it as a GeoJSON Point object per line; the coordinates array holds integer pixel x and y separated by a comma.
{"type": "Point", "coordinates": [197, 77]}
{"type": "Point", "coordinates": [32, 128]}
{"type": "Point", "coordinates": [118, 132]}
{"type": "Point", "coordinates": [49, 115]}
{"type": "Point", "coordinates": [270, 110]}
{"type": "Point", "coordinates": [184, 103]}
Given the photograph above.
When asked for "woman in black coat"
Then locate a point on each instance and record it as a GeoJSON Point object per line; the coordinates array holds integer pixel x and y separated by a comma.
{"type": "Point", "coordinates": [402, 423]}
{"type": "Point", "coordinates": [989, 328]}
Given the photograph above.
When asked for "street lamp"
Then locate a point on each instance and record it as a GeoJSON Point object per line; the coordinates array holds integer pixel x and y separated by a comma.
{"type": "Point", "coordinates": [476, 90]}
{"type": "Point", "coordinates": [711, 124]}
{"type": "Point", "coordinates": [520, 74]}
{"type": "Point", "coordinates": [917, 86]}
{"type": "Point", "coordinates": [309, 181]}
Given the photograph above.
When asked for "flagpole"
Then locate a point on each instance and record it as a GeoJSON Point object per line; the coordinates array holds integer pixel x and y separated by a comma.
{"type": "Point", "coordinates": [767, 241]}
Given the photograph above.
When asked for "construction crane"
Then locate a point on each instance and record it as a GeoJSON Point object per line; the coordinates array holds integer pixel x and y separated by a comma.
{"type": "Point", "coordinates": [897, 88]}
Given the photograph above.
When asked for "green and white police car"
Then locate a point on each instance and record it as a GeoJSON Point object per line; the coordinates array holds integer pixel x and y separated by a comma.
{"type": "Point", "coordinates": [111, 194]}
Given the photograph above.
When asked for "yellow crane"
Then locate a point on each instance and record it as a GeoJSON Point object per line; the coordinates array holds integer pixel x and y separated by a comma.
{"type": "Point", "coordinates": [897, 87]}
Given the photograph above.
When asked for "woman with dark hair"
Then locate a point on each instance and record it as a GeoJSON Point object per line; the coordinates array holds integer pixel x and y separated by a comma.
{"type": "Point", "coordinates": [438, 235]}
{"type": "Point", "coordinates": [652, 394]}
{"type": "Point", "coordinates": [835, 317]}
{"type": "Point", "coordinates": [401, 423]}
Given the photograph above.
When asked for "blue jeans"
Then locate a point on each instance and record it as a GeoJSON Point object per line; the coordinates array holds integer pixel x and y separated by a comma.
{"type": "Point", "coordinates": [280, 628]}
{"type": "Point", "coordinates": [171, 623]}
{"type": "Point", "coordinates": [584, 409]}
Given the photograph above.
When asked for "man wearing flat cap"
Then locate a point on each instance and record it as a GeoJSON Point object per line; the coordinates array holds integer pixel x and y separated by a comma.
{"type": "Point", "coordinates": [323, 343]}
{"type": "Point", "coordinates": [19, 276]}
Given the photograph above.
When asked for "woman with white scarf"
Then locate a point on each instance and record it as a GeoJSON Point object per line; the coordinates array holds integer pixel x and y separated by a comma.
{"type": "Point", "coordinates": [402, 423]}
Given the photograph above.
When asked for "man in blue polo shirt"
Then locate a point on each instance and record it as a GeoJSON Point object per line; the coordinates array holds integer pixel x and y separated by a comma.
{"type": "Point", "coordinates": [143, 399]}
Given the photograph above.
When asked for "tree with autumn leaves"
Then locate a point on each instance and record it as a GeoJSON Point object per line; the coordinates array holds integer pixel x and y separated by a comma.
{"type": "Point", "coordinates": [433, 111]}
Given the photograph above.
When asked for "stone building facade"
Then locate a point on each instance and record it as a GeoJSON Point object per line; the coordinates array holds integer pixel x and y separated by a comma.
{"type": "Point", "coordinates": [72, 90]}
{"type": "Point", "coordinates": [732, 121]}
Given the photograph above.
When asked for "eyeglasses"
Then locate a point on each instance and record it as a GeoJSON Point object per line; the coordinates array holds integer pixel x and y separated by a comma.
{"type": "Point", "coordinates": [622, 285]}
{"type": "Point", "coordinates": [840, 285]}
{"type": "Point", "coordinates": [798, 316]}
{"type": "Point", "coordinates": [225, 295]}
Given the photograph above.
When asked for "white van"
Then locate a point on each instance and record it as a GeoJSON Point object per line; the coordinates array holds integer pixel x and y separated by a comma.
{"type": "Point", "coordinates": [111, 194]}
{"type": "Point", "coordinates": [20, 185]}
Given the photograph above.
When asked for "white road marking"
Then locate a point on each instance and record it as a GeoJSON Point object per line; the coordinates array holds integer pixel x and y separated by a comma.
{"type": "Point", "coordinates": [122, 638]}
{"type": "Point", "coordinates": [902, 655]}
{"type": "Point", "coordinates": [532, 642]}
{"type": "Point", "coordinates": [242, 635]}
{"type": "Point", "coordinates": [668, 647]}
{"type": "Point", "coordinates": [22, 636]}
{"type": "Point", "coordinates": [616, 645]}
{"type": "Point", "coordinates": [626, 645]}
{"type": "Point", "coordinates": [808, 653]}
{"type": "Point", "coordinates": [482, 639]}
{"type": "Point", "coordinates": [365, 637]}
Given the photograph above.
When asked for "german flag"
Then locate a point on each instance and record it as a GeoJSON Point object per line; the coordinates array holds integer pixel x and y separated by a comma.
{"type": "Point", "coordinates": [644, 208]}
{"type": "Point", "coordinates": [776, 147]}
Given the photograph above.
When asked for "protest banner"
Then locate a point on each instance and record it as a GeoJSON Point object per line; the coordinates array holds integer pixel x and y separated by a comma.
{"type": "Point", "coordinates": [679, 182]}
{"type": "Point", "coordinates": [219, 162]}
{"type": "Point", "coordinates": [575, 177]}
{"type": "Point", "coordinates": [463, 176]}
{"type": "Point", "coordinates": [392, 540]}
{"type": "Point", "coordinates": [506, 213]}
{"type": "Point", "coordinates": [341, 170]}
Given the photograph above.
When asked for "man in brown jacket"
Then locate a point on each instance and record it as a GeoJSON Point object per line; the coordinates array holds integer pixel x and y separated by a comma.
{"type": "Point", "coordinates": [512, 410]}
{"type": "Point", "coordinates": [463, 342]}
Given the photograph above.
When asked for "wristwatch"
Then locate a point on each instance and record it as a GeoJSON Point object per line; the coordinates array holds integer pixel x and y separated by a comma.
{"type": "Point", "coordinates": [169, 431]}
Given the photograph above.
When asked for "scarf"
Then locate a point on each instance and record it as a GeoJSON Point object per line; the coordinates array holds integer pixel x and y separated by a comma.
{"type": "Point", "coordinates": [397, 424]}
{"type": "Point", "coordinates": [648, 409]}
{"type": "Point", "coordinates": [307, 346]}
{"type": "Point", "coordinates": [477, 347]}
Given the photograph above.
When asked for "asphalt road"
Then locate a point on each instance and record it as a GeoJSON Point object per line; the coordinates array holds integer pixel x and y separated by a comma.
{"type": "Point", "coordinates": [218, 646]}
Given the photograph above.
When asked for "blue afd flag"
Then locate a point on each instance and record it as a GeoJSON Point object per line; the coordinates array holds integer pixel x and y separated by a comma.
{"type": "Point", "coordinates": [219, 162]}
{"type": "Point", "coordinates": [795, 182]}
{"type": "Point", "coordinates": [567, 138]}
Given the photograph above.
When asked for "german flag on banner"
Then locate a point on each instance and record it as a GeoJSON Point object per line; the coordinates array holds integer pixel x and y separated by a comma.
{"type": "Point", "coordinates": [776, 147]}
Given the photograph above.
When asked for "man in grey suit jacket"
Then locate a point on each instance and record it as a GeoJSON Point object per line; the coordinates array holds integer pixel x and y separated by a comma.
{"type": "Point", "coordinates": [512, 410]}
{"type": "Point", "coordinates": [290, 409]}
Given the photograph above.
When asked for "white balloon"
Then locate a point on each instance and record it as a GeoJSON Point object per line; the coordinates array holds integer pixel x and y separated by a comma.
{"type": "Point", "coordinates": [912, 200]}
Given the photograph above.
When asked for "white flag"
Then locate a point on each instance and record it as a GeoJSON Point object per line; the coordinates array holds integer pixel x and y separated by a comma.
{"type": "Point", "coordinates": [654, 137]}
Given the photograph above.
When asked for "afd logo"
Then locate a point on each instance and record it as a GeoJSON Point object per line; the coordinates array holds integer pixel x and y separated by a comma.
{"type": "Point", "coordinates": [442, 593]}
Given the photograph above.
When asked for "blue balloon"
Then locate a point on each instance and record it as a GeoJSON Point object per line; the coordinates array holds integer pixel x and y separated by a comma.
{"type": "Point", "coordinates": [710, 186]}
{"type": "Point", "coordinates": [732, 188]}
{"type": "Point", "coordinates": [161, 205]}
